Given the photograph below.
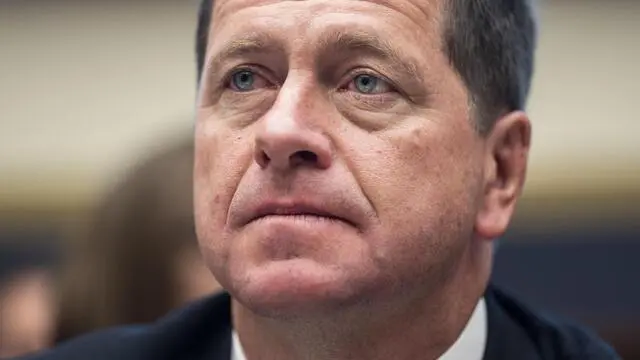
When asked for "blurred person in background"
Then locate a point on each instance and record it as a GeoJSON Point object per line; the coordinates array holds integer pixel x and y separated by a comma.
{"type": "Point", "coordinates": [141, 257]}
{"type": "Point", "coordinates": [27, 297]}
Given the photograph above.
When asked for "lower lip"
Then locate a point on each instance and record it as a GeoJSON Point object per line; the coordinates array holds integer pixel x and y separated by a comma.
{"type": "Point", "coordinates": [305, 220]}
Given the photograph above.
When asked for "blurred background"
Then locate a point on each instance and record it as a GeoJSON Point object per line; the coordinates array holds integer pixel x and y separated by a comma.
{"type": "Point", "coordinates": [95, 94]}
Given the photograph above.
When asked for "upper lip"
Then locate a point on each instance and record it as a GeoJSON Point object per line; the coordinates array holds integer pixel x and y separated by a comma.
{"type": "Point", "coordinates": [288, 208]}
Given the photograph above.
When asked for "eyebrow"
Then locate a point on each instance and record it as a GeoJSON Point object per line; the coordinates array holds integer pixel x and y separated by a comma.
{"type": "Point", "coordinates": [252, 43]}
{"type": "Point", "coordinates": [370, 44]}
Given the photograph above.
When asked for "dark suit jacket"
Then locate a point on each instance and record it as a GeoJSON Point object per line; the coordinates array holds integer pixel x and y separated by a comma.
{"type": "Point", "coordinates": [202, 331]}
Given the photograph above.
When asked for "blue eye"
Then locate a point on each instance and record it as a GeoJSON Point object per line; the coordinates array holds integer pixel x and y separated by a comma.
{"type": "Point", "coordinates": [365, 83]}
{"type": "Point", "coordinates": [370, 85]}
{"type": "Point", "coordinates": [242, 80]}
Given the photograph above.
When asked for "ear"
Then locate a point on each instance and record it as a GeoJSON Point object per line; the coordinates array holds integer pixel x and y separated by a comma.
{"type": "Point", "coordinates": [505, 167]}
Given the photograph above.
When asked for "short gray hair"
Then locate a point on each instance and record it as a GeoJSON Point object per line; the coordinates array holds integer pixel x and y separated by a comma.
{"type": "Point", "coordinates": [491, 44]}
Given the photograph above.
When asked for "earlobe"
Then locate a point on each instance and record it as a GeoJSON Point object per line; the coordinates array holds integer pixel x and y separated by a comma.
{"type": "Point", "coordinates": [506, 156]}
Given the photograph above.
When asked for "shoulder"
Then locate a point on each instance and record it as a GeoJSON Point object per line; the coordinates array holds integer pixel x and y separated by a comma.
{"type": "Point", "coordinates": [200, 330]}
{"type": "Point", "coordinates": [116, 343]}
{"type": "Point", "coordinates": [548, 337]}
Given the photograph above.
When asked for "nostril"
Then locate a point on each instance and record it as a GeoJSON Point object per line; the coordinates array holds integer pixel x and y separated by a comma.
{"type": "Point", "coordinates": [308, 156]}
{"type": "Point", "coordinates": [303, 157]}
{"type": "Point", "coordinates": [264, 158]}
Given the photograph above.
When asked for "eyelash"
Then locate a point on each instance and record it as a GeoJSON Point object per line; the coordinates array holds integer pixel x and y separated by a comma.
{"type": "Point", "coordinates": [343, 87]}
{"type": "Point", "coordinates": [353, 74]}
{"type": "Point", "coordinates": [226, 83]}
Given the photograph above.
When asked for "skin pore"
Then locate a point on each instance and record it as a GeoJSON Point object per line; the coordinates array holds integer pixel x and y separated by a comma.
{"type": "Point", "coordinates": [342, 193]}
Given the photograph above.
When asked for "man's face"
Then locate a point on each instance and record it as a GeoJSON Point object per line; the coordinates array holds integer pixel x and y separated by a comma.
{"type": "Point", "coordinates": [335, 155]}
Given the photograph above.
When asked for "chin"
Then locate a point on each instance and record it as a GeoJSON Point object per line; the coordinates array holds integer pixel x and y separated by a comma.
{"type": "Point", "coordinates": [294, 287]}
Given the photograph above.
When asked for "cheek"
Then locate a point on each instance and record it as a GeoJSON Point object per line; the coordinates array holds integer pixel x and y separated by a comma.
{"type": "Point", "coordinates": [416, 165]}
{"type": "Point", "coordinates": [221, 158]}
{"type": "Point", "coordinates": [418, 180]}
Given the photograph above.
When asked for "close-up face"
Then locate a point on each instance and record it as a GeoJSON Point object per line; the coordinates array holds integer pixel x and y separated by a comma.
{"type": "Point", "coordinates": [336, 155]}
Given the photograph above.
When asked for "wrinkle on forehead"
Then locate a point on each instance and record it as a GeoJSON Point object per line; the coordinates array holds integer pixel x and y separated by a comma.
{"type": "Point", "coordinates": [424, 13]}
{"type": "Point", "coordinates": [421, 30]}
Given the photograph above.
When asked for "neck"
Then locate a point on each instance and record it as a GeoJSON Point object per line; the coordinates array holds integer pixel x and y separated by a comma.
{"type": "Point", "coordinates": [423, 327]}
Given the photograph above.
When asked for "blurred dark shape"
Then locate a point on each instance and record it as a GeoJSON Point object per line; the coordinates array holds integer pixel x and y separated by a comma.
{"type": "Point", "coordinates": [591, 276]}
{"type": "Point", "coordinates": [140, 258]}
{"type": "Point", "coordinates": [24, 251]}
{"type": "Point", "coordinates": [27, 294]}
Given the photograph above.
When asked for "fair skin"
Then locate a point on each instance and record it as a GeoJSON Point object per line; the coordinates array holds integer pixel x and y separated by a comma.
{"type": "Point", "coordinates": [343, 196]}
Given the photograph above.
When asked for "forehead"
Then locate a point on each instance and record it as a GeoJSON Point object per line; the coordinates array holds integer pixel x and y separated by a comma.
{"type": "Point", "coordinates": [421, 17]}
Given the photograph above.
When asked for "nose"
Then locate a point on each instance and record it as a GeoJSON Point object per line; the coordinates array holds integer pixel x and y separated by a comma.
{"type": "Point", "coordinates": [287, 138]}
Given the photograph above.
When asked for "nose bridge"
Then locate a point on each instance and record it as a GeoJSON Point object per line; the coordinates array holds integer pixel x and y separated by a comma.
{"type": "Point", "coordinates": [297, 99]}
{"type": "Point", "coordinates": [291, 132]}
{"type": "Point", "coordinates": [285, 114]}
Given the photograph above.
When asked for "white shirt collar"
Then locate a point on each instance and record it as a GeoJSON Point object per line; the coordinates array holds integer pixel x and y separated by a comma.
{"type": "Point", "coordinates": [470, 344]}
{"type": "Point", "coordinates": [472, 341]}
{"type": "Point", "coordinates": [237, 353]}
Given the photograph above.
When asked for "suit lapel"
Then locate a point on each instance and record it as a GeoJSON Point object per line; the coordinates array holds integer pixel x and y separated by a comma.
{"type": "Point", "coordinates": [506, 339]}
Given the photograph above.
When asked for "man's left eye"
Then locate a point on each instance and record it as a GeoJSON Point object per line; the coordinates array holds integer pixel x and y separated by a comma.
{"type": "Point", "coordinates": [369, 85]}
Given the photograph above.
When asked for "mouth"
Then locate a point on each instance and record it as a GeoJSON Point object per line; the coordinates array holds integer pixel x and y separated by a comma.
{"type": "Point", "coordinates": [297, 211]}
